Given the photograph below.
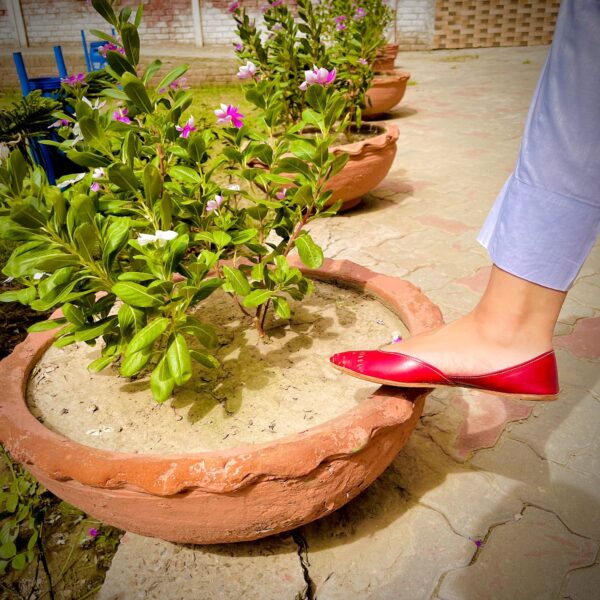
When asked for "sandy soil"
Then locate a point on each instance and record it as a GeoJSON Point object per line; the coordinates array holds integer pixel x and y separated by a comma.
{"type": "Point", "coordinates": [264, 390]}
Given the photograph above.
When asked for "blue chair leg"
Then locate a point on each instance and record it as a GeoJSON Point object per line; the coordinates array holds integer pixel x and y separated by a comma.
{"type": "Point", "coordinates": [86, 53]}
{"type": "Point", "coordinates": [21, 73]}
{"type": "Point", "coordinates": [60, 62]}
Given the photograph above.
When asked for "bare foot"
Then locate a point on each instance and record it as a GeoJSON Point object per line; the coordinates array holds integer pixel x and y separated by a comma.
{"type": "Point", "coordinates": [469, 347]}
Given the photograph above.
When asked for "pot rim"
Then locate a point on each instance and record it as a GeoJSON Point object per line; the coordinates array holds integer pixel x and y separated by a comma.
{"type": "Point", "coordinates": [219, 471]}
{"type": "Point", "coordinates": [387, 137]}
{"type": "Point", "coordinates": [387, 75]}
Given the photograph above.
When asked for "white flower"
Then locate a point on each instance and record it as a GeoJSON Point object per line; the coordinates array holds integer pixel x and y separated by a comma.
{"type": "Point", "coordinates": [247, 71]}
{"type": "Point", "coordinates": [9, 279]}
{"type": "Point", "coordinates": [234, 187]}
{"type": "Point", "coordinates": [4, 151]}
{"type": "Point", "coordinates": [159, 236]}
{"type": "Point", "coordinates": [97, 104]}
{"type": "Point", "coordinates": [68, 182]}
{"type": "Point", "coordinates": [39, 274]}
{"type": "Point", "coordinates": [98, 173]}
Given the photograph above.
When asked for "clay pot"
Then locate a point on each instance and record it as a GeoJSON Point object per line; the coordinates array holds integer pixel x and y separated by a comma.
{"type": "Point", "coordinates": [386, 91]}
{"type": "Point", "coordinates": [386, 57]}
{"type": "Point", "coordinates": [243, 493]}
{"type": "Point", "coordinates": [369, 163]}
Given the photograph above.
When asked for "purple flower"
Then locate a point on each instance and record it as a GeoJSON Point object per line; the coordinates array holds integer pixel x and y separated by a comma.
{"type": "Point", "coordinates": [320, 76]}
{"type": "Point", "coordinates": [74, 79]}
{"type": "Point", "coordinates": [179, 84]}
{"type": "Point", "coordinates": [93, 532]}
{"type": "Point", "coordinates": [233, 7]}
{"type": "Point", "coordinates": [280, 195]}
{"type": "Point", "coordinates": [215, 204]}
{"type": "Point", "coordinates": [59, 123]}
{"type": "Point", "coordinates": [187, 128]}
{"type": "Point", "coordinates": [95, 187]}
{"type": "Point", "coordinates": [229, 114]}
{"type": "Point", "coordinates": [238, 47]}
{"type": "Point", "coordinates": [363, 61]}
{"type": "Point", "coordinates": [110, 47]}
{"type": "Point", "coordinates": [276, 3]}
{"type": "Point", "coordinates": [247, 71]}
{"type": "Point", "coordinates": [121, 115]}
{"type": "Point", "coordinates": [360, 13]}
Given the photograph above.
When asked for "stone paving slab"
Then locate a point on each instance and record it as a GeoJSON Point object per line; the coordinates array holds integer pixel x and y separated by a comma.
{"type": "Point", "coordinates": [524, 559]}
{"type": "Point", "coordinates": [522, 477]}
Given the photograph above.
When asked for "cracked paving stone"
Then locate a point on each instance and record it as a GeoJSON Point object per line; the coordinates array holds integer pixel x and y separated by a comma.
{"type": "Point", "coordinates": [151, 569]}
{"type": "Point", "coordinates": [515, 469]}
{"type": "Point", "coordinates": [576, 372]}
{"type": "Point", "coordinates": [582, 584]}
{"type": "Point", "coordinates": [561, 429]}
{"type": "Point", "coordinates": [382, 546]}
{"type": "Point", "coordinates": [524, 559]}
{"type": "Point", "coordinates": [465, 496]}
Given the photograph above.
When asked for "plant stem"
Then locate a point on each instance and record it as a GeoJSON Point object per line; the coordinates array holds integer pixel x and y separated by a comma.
{"type": "Point", "coordinates": [45, 564]}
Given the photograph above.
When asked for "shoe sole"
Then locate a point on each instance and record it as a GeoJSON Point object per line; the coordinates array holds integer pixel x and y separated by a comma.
{"type": "Point", "coordinates": [536, 397]}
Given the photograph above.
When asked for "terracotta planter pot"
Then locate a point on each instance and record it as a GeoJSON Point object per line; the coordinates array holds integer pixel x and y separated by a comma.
{"type": "Point", "coordinates": [386, 58]}
{"type": "Point", "coordinates": [386, 91]}
{"type": "Point", "coordinates": [243, 493]}
{"type": "Point", "coordinates": [369, 163]}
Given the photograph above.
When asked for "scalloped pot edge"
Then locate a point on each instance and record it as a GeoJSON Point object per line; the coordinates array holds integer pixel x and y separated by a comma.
{"type": "Point", "coordinates": [232, 495]}
{"type": "Point", "coordinates": [386, 91]}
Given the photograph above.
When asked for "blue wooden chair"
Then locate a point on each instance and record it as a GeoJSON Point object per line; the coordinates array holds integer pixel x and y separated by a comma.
{"type": "Point", "coordinates": [94, 61]}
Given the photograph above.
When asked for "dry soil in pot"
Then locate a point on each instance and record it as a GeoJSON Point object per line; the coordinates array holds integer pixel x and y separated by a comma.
{"type": "Point", "coordinates": [265, 390]}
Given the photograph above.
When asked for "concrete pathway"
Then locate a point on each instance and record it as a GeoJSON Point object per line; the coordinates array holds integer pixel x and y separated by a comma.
{"type": "Point", "coordinates": [490, 499]}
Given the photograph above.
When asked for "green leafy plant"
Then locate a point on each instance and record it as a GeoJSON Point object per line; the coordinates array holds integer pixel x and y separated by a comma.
{"type": "Point", "coordinates": [166, 214]}
{"type": "Point", "coordinates": [292, 46]}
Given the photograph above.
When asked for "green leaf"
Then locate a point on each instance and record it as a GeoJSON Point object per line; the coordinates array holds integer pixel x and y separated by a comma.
{"type": "Point", "coordinates": [152, 183]}
{"type": "Point", "coordinates": [221, 238]}
{"type": "Point", "coordinates": [205, 334]}
{"type": "Point", "coordinates": [26, 215]}
{"type": "Point", "coordinates": [12, 501]}
{"type": "Point", "coordinates": [206, 288]}
{"type": "Point", "coordinates": [237, 280]}
{"type": "Point", "coordinates": [74, 314]}
{"type": "Point", "coordinates": [241, 237]}
{"type": "Point", "coordinates": [316, 97]}
{"type": "Point", "coordinates": [100, 363]}
{"type": "Point", "coordinates": [171, 76]}
{"type": "Point", "coordinates": [19, 562]}
{"type": "Point", "coordinates": [129, 317]}
{"type": "Point", "coordinates": [104, 9]}
{"type": "Point", "coordinates": [135, 294]}
{"type": "Point", "coordinates": [134, 88]}
{"type": "Point", "coordinates": [178, 358]}
{"type": "Point", "coordinates": [257, 297]}
{"type": "Point", "coordinates": [206, 360]}
{"type": "Point", "coordinates": [90, 130]}
{"type": "Point", "coordinates": [87, 159]}
{"type": "Point", "coordinates": [8, 550]}
{"type": "Point", "coordinates": [119, 63]}
{"type": "Point", "coordinates": [131, 43]}
{"type": "Point", "coordinates": [95, 330]}
{"type": "Point", "coordinates": [282, 308]}
{"type": "Point", "coordinates": [123, 177]}
{"type": "Point", "coordinates": [151, 70]}
{"type": "Point", "coordinates": [310, 254]}
{"type": "Point", "coordinates": [46, 325]}
{"type": "Point", "coordinates": [136, 276]}
{"type": "Point", "coordinates": [135, 362]}
{"type": "Point", "coordinates": [291, 164]}
{"type": "Point", "coordinates": [148, 335]}
{"type": "Point", "coordinates": [185, 174]}
{"type": "Point", "coordinates": [116, 239]}
{"type": "Point", "coordinates": [161, 382]}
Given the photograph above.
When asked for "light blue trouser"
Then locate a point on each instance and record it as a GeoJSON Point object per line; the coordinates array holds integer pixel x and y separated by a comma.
{"type": "Point", "coordinates": [547, 217]}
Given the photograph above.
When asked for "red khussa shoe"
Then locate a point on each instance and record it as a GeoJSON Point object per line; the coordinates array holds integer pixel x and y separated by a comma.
{"type": "Point", "coordinates": [535, 379]}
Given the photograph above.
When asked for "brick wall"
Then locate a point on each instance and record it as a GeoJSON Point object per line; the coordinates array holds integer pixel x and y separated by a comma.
{"type": "Point", "coordinates": [414, 24]}
{"type": "Point", "coordinates": [8, 36]}
{"type": "Point", "coordinates": [53, 21]}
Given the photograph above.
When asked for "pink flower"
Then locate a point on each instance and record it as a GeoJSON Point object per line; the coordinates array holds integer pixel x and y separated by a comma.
{"type": "Point", "coordinates": [59, 123]}
{"type": "Point", "coordinates": [179, 84]}
{"type": "Point", "coordinates": [229, 114]}
{"type": "Point", "coordinates": [320, 76]}
{"type": "Point", "coordinates": [340, 26]}
{"type": "Point", "coordinates": [95, 187]}
{"type": "Point", "coordinates": [280, 195]}
{"type": "Point", "coordinates": [247, 71]}
{"type": "Point", "coordinates": [238, 47]}
{"type": "Point", "coordinates": [93, 532]}
{"type": "Point", "coordinates": [110, 47]}
{"type": "Point", "coordinates": [215, 204]}
{"type": "Point", "coordinates": [360, 13]}
{"type": "Point", "coordinates": [74, 79]}
{"type": "Point", "coordinates": [121, 115]}
{"type": "Point", "coordinates": [276, 3]}
{"type": "Point", "coordinates": [187, 128]}
{"type": "Point", "coordinates": [233, 7]}
{"type": "Point", "coordinates": [363, 61]}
